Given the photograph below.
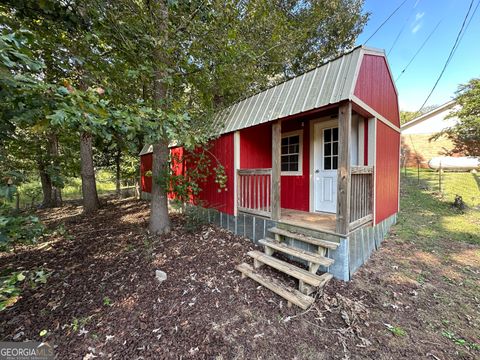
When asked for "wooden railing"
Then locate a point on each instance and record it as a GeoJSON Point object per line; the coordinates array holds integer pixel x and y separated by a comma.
{"type": "Point", "coordinates": [361, 196]}
{"type": "Point", "coordinates": [254, 191]}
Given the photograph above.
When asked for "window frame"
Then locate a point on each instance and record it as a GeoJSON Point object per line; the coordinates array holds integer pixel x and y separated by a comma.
{"type": "Point", "coordinates": [299, 172]}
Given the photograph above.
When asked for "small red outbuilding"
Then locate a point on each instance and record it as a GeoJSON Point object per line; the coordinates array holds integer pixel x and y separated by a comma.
{"type": "Point", "coordinates": [319, 152]}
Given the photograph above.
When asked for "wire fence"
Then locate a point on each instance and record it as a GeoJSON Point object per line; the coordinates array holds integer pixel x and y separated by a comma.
{"type": "Point", "coordinates": [446, 184]}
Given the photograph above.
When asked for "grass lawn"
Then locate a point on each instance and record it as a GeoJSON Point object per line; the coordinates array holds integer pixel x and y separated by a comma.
{"type": "Point", "coordinates": [31, 192]}
{"type": "Point", "coordinates": [417, 297]}
{"type": "Point", "coordinates": [427, 215]}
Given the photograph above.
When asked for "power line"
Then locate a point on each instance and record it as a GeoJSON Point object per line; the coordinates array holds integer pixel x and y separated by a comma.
{"type": "Point", "coordinates": [385, 21]}
{"type": "Point", "coordinates": [419, 49]}
{"type": "Point", "coordinates": [403, 27]}
{"type": "Point", "coordinates": [468, 23]}
{"type": "Point", "coordinates": [452, 51]}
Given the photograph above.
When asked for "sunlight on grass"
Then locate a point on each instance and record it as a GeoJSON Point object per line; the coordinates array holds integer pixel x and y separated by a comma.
{"type": "Point", "coordinates": [425, 214]}
{"type": "Point", "coordinates": [31, 192]}
{"type": "Point", "coordinates": [468, 258]}
{"type": "Point", "coordinates": [427, 258]}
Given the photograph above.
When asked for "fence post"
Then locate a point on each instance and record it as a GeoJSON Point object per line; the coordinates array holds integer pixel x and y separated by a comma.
{"type": "Point", "coordinates": [440, 172]}
{"type": "Point", "coordinates": [418, 172]}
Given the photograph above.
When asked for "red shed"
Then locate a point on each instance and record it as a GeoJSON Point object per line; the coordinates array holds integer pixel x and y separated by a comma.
{"type": "Point", "coordinates": [316, 155]}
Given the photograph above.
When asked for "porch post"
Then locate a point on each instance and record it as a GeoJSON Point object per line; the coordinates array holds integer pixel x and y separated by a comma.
{"type": "Point", "coordinates": [343, 183]}
{"type": "Point", "coordinates": [276, 169]}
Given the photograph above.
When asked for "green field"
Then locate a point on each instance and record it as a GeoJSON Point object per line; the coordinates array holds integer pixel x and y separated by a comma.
{"type": "Point", "coordinates": [465, 184]}
{"type": "Point", "coordinates": [428, 213]}
{"type": "Point", "coordinates": [31, 192]}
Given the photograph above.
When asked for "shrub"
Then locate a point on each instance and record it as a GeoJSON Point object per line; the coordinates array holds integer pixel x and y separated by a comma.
{"type": "Point", "coordinates": [194, 218]}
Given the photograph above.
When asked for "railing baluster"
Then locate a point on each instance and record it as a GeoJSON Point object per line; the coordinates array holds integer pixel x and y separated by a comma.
{"type": "Point", "coordinates": [254, 191]}
{"type": "Point", "coordinates": [361, 199]}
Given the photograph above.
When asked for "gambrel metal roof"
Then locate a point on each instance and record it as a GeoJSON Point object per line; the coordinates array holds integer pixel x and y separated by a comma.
{"type": "Point", "coordinates": [327, 84]}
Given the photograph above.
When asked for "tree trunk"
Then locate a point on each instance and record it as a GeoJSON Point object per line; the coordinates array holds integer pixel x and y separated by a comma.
{"type": "Point", "coordinates": [46, 184]}
{"type": "Point", "coordinates": [56, 197]}
{"type": "Point", "coordinates": [159, 218]}
{"type": "Point", "coordinates": [89, 187]}
{"type": "Point", "coordinates": [118, 157]}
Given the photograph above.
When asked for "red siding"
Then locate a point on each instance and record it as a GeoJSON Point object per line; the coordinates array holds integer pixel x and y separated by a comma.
{"type": "Point", "coordinates": [146, 165]}
{"type": "Point", "coordinates": [256, 152]}
{"type": "Point", "coordinates": [386, 171]}
{"type": "Point", "coordinates": [256, 147]}
{"type": "Point", "coordinates": [295, 190]}
{"type": "Point", "coordinates": [222, 149]}
{"type": "Point", "coordinates": [375, 87]}
{"type": "Point", "coordinates": [177, 164]}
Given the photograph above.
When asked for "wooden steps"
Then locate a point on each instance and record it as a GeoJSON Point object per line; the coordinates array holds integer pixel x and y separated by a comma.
{"type": "Point", "coordinates": [299, 253]}
{"type": "Point", "coordinates": [308, 280]}
{"type": "Point", "coordinates": [293, 296]}
{"type": "Point", "coordinates": [304, 238]}
{"type": "Point", "coordinates": [287, 268]}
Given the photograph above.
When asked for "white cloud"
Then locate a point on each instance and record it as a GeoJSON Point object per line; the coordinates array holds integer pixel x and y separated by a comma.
{"type": "Point", "coordinates": [419, 15]}
{"type": "Point", "coordinates": [416, 28]}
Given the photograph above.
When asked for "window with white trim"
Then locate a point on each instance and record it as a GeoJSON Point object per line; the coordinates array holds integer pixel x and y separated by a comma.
{"type": "Point", "coordinates": [291, 158]}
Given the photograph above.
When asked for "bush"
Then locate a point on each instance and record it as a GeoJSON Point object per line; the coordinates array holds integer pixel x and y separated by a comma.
{"type": "Point", "coordinates": [12, 285]}
{"type": "Point", "coordinates": [194, 218]}
{"type": "Point", "coordinates": [18, 228]}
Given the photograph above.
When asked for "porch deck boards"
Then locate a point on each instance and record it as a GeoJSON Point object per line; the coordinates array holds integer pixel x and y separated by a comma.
{"type": "Point", "coordinates": [315, 221]}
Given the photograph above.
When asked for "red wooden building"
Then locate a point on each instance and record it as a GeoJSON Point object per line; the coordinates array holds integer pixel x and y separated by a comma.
{"type": "Point", "coordinates": [317, 156]}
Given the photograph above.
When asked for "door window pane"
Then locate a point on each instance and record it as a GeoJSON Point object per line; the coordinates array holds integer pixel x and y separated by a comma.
{"type": "Point", "coordinates": [330, 149]}
{"type": "Point", "coordinates": [327, 163]}
{"type": "Point", "coordinates": [327, 135]}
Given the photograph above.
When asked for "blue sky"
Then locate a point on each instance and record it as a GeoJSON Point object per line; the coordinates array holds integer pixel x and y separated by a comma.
{"type": "Point", "coordinates": [418, 18]}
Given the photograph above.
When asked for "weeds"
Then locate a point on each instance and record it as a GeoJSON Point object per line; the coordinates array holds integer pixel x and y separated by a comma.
{"type": "Point", "coordinates": [396, 330]}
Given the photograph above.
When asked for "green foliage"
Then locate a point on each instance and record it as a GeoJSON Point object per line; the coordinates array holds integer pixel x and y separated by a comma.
{"type": "Point", "coordinates": [406, 116]}
{"type": "Point", "coordinates": [460, 341]}
{"type": "Point", "coordinates": [130, 73]}
{"type": "Point", "coordinates": [396, 330]}
{"type": "Point", "coordinates": [195, 218]}
{"type": "Point", "coordinates": [427, 216]}
{"type": "Point", "coordinates": [466, 134]}
{"type": "Point", "coordinates": [12, 284]}
{"type": "Point", "coordinates": [16, 227]}
{"type": "Point", "coordinates": [9, 289]}
{"type": "Point", "coordinates": [107, 301]}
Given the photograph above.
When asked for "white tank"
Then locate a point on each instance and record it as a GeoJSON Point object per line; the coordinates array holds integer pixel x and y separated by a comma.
{"type": "Point", "coordinates": [465, 163]}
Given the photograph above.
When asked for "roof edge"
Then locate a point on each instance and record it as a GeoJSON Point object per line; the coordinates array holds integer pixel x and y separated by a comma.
{"type": "Point", "coordinates": [448, 105]}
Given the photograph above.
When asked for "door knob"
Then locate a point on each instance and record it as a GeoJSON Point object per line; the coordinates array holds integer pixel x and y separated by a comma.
{"type": "Point", "coordinates": [317, 171]}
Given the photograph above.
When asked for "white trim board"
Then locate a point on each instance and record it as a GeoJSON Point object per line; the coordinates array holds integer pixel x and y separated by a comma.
{"type": "Point", "coordinates": [328, 122]}
{"type": "Point", "coordinates": [236, 166]}
{"type": "Point", "coordinates": [374, 113]}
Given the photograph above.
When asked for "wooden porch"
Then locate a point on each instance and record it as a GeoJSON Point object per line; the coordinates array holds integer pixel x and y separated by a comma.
{"type": "Point", "coordinates": [322, 222]}
{"type": "Point", "coordinates": [258, 190]}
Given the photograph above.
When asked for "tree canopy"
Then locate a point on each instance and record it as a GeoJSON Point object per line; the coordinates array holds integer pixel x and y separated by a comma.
{"type": "Point", "coordinates": [119, 74]}
{"type": "Point", "coordinates": [466, 133]}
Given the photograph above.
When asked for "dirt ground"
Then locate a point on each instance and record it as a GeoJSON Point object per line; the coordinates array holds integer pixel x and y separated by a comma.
{"type": "Point", "coordinates": [102, 298]}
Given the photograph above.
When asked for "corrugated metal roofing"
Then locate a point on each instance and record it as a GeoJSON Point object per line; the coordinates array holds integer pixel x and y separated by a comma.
{"type": "Point", "coordinates": [147, 149]}
{"type": "Point", "coordinates": [327, 84]}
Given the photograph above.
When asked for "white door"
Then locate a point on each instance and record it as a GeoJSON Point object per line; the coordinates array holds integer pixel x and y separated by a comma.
{"type": "Point", "coordinates": [325, 164]}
